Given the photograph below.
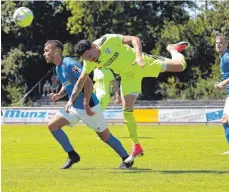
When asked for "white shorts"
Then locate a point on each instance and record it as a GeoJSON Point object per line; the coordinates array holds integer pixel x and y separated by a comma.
{"type": "Point", "coordinates": [96, 122]}
{"type": "Point", "coordinates": [226, 107]}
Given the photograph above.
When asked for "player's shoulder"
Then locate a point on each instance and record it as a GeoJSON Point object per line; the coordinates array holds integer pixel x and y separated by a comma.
{"type": "Point", "coordinates": [226, 56]}
{"type": "Point", "coordinates": [99, 42]}
{"type": "Point", "coordinates": [70, 61]}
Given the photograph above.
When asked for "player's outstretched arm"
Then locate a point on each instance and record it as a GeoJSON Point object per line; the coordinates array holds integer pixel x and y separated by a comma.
{"type": "Point", "coordinates": [88, 88]}
{"type": "Point", "coordinates": [76, 90]}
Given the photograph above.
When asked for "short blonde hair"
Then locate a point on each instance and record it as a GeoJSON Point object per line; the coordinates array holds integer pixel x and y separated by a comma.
{"type": "Point", "coordinates": [221, 37]}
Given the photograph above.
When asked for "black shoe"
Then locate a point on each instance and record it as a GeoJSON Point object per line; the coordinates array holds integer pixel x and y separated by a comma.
{"type": "Point", "coordinates": [73, 158]}
{"type": "Point", "coordinates": [126, 165]}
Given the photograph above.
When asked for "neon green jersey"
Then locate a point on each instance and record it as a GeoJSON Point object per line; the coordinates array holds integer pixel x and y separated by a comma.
{"type": "Point", "coordinates": [102, 78]}
{"type": "Point", "coordinates": [113, 54]}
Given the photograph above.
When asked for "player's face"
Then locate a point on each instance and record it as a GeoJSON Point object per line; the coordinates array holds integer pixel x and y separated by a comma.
{"type": "Point", "coordinates": [91, 55]}
{"type": "Point", "coordinates": [221, 45]}
{"type": "Point", "coordinates": [49, 53]}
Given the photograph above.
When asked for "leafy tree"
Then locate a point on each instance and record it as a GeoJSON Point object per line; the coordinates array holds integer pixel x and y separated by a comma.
{"type": "Point", "coordinates": [203, 61]}
{"type": "Point", "coordinates": [146, 19]}
{"type": "Point", "coordinates": [23, 64]}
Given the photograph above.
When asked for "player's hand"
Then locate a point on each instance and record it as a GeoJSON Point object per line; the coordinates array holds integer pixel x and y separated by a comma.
{"type": "Point", "coordinates": [54, 97]}
{"type": "Point", "coordinates": [118, 100]}
{"type": "Point", "coordinates": [140, 61]}
{"type": "Point", "coordinates": [219, 85]}
{"type": "Point", "coordinates": [68, 106]}
{"type": "Point", "coordinates": [88, 110]}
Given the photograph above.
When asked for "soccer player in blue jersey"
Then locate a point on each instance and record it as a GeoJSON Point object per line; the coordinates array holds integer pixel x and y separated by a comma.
{"type": "Point", "coordinates": [86, 107]}
{"type": "Point", "coordinates": [221, 48]}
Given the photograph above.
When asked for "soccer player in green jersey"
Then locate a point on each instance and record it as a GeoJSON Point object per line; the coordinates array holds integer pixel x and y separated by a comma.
{"type": "Point", "coordinates": [104, 79]}
{"type": "Point", "coordinates": [114, 51]}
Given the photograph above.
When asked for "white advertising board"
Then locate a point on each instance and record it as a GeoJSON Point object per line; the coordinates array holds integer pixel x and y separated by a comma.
{"type": "Point", "coordinates": [181, 115]}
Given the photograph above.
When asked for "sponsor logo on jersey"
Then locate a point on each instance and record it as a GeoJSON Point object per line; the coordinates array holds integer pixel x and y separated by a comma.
{"type": "Point", "coordinates": [107, 51]}
{"type": "Point", "coordinates": [76, 69]}
{"type": "Point", "coordinates": [111, 60]}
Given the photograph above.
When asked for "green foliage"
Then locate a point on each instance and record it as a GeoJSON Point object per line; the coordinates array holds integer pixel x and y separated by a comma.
{"type": "Point", "coordinates": [23, 64]}
{"type": "Point", "coordinates": [203, 61]}
{"type": "Point", "coordinates": [157, 23]}
{"type": "Point", "coordinates": [68, 49]}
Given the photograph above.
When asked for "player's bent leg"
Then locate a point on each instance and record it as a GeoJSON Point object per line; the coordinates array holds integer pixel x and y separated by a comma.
{"type": "Point", "coordinates": [55, 127]}
{"type": "Point", "coordinates": [172, 65]}
{"type": "Point", "coordinates": [116, 145]}
{"type": "Point", "coordinates": [98, 123]}
{"type": "Point", "coordinates": [177, 63]}
{"type": "Point", "coordinates": [225, 124]}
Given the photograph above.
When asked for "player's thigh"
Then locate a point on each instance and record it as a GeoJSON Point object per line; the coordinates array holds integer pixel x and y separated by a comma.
{"type": "Point", "coordinates": [97, 122]}
{"type": "Point", "coordinates": [128, 101]}
{"type": "Point", "coordinates": [63, 118]}
{"type": "Point", "coordinates": [57, 123]}
{"type": "Point", "coordinates": [153, 66]}
{"type": "Point", "coordinates": [130, 85]}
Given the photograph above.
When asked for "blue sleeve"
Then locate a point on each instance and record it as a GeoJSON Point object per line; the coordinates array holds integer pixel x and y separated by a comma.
{"type": "Point", "coordinates": [226, 61]}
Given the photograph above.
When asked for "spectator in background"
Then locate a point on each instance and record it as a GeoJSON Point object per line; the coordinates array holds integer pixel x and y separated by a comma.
{"type": "Point", "coordinates": [54, 78]}
{"type": "Point", "coordinates": [55, 85]}
{"type": "Point", "coordinates": [46, 87]}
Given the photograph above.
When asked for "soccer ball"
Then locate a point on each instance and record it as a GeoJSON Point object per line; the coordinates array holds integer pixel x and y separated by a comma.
{"type": "Point", "coordinates": [23, 17]}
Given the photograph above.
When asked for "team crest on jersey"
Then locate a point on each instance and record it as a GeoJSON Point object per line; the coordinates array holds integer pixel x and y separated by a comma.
{"type": "Point", "coordinates": [107, 51]}
{"type": "Point", "coordinates": [76, 69]}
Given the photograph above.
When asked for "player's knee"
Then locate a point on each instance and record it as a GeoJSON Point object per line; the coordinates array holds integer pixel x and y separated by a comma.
{"type": "Point", "coordinates": [224, 119]}
{"type": "Point", "coordinates": [104, 136]}
{"type": "Point", "coordinates": [52, 126]}
{"type": "Point", "coordinates": [127, 110]}
{"type": "Point", "coordinates": [128, 114]}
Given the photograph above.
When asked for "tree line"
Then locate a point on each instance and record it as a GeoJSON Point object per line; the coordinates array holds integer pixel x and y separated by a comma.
{"type": "Point", "coordinates": [157, 23]}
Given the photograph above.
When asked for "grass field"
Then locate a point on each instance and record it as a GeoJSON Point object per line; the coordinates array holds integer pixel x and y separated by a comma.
{"type": "Point", "coordinates": [177, 158]}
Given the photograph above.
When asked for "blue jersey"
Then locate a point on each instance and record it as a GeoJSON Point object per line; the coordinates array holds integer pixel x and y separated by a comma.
{"type": "Point", "coordinates": [224, 68]}
{"type": "Point", "coordinates": [68, 72]}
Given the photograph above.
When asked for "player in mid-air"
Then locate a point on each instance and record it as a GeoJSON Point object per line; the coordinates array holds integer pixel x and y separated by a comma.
{"type": "Point", "coordinates": [86, 107]}
{"type": "Point", "coordinates": [114, 51]}
{"type": "Point", "coordinates": [221, 48]}
{"type": "Point", "coordinates": [104, 79]}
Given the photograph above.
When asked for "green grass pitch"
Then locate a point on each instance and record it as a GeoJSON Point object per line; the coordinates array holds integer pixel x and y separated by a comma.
{"type": "Point", "coordinates": [177, 158]}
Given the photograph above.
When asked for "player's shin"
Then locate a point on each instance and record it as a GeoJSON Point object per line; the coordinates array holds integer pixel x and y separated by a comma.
{"type": "Point", "coordinates": [115, 144]}
{"type": "Point", "coordinates": [130, 124]}
{"type": "Point", "coordinates": [62, 138]}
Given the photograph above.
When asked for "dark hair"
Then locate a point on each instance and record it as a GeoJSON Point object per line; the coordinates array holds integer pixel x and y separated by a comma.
{"type": "Point", "coordinates": [82, 46]}
{"type": "Point", "coordinates": [55, 44]}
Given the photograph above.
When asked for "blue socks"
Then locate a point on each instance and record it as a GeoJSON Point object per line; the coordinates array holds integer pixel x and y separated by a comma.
{"type": "Point", "coordinates": [62, 138]}
{"type": "Point", "coordinates": [117, 146]}
{"type": "Point", "coordinates": [226, 129]}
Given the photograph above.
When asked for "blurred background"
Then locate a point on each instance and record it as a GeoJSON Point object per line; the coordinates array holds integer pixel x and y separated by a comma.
{"type": "Point", "coordinates": [26, 78]}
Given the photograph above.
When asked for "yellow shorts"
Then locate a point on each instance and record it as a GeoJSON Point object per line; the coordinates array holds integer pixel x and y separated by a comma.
{"type": "Point", "coordinates": [131, 83]}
